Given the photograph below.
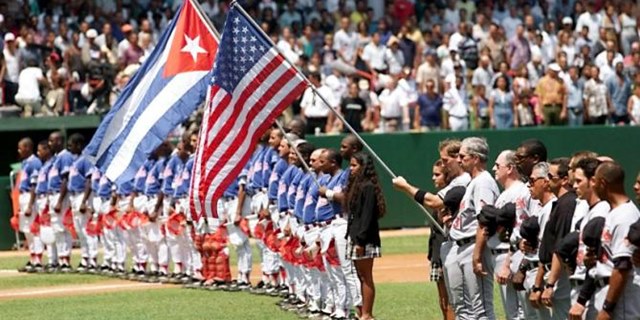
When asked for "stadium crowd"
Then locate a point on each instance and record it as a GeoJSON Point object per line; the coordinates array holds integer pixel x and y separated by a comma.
{"type": "Point", "coordinates": [386, 65]}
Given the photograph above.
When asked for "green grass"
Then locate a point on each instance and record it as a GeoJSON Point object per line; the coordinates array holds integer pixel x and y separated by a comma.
{"type": "Point", "coordinates": [405, 245]}
{"type": "Point", "coordinates": [47, 280]}
{"type": "Point", "coordinates": [406, 301]}
{"type": "Point", "coordinates": [390, 246]}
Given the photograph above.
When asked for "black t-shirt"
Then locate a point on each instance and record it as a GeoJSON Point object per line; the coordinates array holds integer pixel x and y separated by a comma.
{"type": "Point", "coordinates": [558, 226]}
{"type": "Point", "coordinates": [353, 110]}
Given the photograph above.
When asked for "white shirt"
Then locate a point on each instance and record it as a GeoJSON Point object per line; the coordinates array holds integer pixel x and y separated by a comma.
{"type": "Point", "coordinates": [482, 190]}
{"type": "Point", "coordinates": [391, 102]}
{"type": "Point", "coordinates": [374, 55]}
{"type": "Point", "coordinates": [313, 106]}
{"type": "Point", "coordinates": [13, 65]}
{"type": "Point", "coordinates": [600, 209]}
{"type": "Point", "coordinates": [461, 180]}
{"type": "Point", "coordinates": [28, 86]}
{"type": "Point", "coordinates": [346, 43]}
{"type": "Point", "coordinates": [592, 21]}
{"type": "Point", "coordinates": [453, 103]}
{"type": "Point", "coordinates": [122, 47]}
{"type": "Point", "coordinates": [614, 233]}
{"type": "Point", "coordinates": [601, 59]}
{"type": "Point", "coordinates": [519, 195]}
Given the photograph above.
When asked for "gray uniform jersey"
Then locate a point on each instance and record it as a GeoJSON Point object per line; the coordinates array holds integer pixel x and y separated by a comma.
{"type": "Point", "coordinates": [600, 209]}
{"type": "Point", "coordinates": [482, 190]}
{"type": "Point", "coordinates": [461, 180]}
{"type": "Point", "coordinates": [614, 233]}
{"type": "Point", "coordinates": [581, 211]}
{"type": "Point", "coordinates": [518, 194]}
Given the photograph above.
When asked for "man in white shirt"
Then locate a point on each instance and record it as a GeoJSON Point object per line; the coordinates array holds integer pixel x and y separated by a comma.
{"type": "Point", "coordinates": [591, 19]}
{"type": "Point", "coordinates": [345, 43]}
{"type": "Point", "coordinates": [12, 73]}
{"type": "Point", "coordinates": [453, 104]}
{"type": "Point", "coordinates": [29, 82]}
{"type": "Point", "coordinates": [313, 109]}
{"type": "Point", "coordinates": [373, 55]}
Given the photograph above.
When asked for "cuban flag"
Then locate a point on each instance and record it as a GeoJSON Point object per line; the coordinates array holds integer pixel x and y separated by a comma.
{"type": "Point", "coordinates": [166, 89]}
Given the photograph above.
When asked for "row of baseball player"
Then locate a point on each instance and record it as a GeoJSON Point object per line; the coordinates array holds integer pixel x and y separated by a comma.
{"type": "Point", "coordinates": [311, 252]}
{"type": "Point", "coordinates": [559, 240]}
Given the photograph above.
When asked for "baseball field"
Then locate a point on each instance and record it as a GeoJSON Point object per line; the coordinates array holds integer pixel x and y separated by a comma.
{"type": "Point", "coordinates": [402, 288]}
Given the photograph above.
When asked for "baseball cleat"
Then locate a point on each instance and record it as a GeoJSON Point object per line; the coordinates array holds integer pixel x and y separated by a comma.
{"type": "Point", "coordinates": [37, 268]}
{"type": "Point", "coordinates": [26, 268]}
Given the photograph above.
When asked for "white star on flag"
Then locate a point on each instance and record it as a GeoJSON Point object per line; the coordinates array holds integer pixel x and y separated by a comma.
{"type": "Point", "coordinates": [193, 47]}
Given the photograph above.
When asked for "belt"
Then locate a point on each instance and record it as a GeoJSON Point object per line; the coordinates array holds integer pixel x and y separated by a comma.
{"type": "Point", "coordinates": [466, 241]}
{"type": "Point", "coordinates": [602, 282]}
{"type": "Point", "coordinates": [496, 252]}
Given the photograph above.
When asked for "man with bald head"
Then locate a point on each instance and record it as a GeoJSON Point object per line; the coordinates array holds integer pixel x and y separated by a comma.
{"type": "Point", "coordinates": [26, 201]}
{"type": "Point", "coordinates": [617, 296]}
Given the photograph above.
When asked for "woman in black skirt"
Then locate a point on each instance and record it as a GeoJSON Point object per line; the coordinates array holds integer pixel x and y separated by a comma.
{"type": "Point", "coordinates": [366, 205]}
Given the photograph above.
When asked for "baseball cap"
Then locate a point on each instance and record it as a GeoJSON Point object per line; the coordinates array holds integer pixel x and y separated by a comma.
{"type": "Point", "coordinates": [568, 247]}
{"type": "Point", "coordinates": [634, 234]}
{"type": "Point", "coordinates": [91, 33]}
{"type": "Point", "coordinates": [592, 233]}
{"type": "Point", "coordinates": [507, 215]}
{"type": "Point", "coordinates": [488, 215]}
{"type": "Point", "coordinates": [9, 37]}
{"type": "Point", "coordinates": [555, 67]}
{"type": "Point", "coordinates": [567, 20]}
{"type": "Point", "coordinates": [452, 199]}
{"type": "Point", "coordinates": [529, 229]}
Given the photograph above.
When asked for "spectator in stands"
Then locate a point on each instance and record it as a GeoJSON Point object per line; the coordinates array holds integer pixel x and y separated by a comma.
{"type": "Point", "coordinates": [29, 82]}
{"type": "Point", "coordinates": [619, 87]}
{"type": "Point", "coordinates": [501, 105]}
{"type": "Point", "coordinates": [597, 102]}
{"type": "Point", "coordinates": [551, 92]}
{"type": "Point", "coordinates": [12, 62]}
{"type": "Point", "coordinates": [353, 108]}
{"type": "Point", "coordinates": [429, 108]}
{"type": "Point", "coordinates": [575, 106]}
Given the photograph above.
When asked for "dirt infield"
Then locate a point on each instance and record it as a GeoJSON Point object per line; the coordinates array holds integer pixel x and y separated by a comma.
{"type": "Point", "coordinates": [388, 269]}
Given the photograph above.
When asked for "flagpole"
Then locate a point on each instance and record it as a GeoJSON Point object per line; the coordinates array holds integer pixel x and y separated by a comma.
{"type": "Point", "coordinates": [304, 164]}
{"type": "Point", "coordinates": [434, 223]}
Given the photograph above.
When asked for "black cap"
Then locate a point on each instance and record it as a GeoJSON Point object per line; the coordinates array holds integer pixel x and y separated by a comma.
{"type": "Point", "coordinates": [634, 234]}
{"type": "Point", "coordinates": [452, 199]}
{"type": "Point", "coordinates": [488, 215]}
{"type": "Point", "coordinates": [507, 215]}
{"type": "Point", "coordinates": [530, 229]}
{"type": "Point", "coordinates": [592, 233]}
{"type": "Point", "coordinates": [568, 247]}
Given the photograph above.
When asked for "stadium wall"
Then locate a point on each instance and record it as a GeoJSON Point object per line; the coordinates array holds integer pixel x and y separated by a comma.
{"type": "Point", "coordinates": [408, 154]}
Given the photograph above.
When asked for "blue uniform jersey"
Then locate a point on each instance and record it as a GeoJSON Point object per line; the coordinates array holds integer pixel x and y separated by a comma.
{"type": "Point", "coordinates": [283, 186]}
{"type": "Point", "coordinates": [301, 195]}
{"type": "Point", "coordinates": [311, 198]}
{"type": "Point", "coordinates": [125, 189]}
{"type": "Point", "coordinates": [292, 189]}
{"type": "Point", "coordinates": [29, 172]}
{"type": "Point", "coordinates": [183, 179]}
{"type": "Point", "coordinates": [104, 187]}
{"type": "Point", "coordinates": [141, 176]}
{"type": "Point", "coordinates": [274, 179]}
{"type": "Point", "coordinates": [254, 176]}
{"type": "Point", "coordinates": [154, 178]}
{"type": "Point", "coordinates": [172, 169]}
{"type": "Point", "coordinates": [42, 184]}
{"type": "Point", "coordinates": [80, 171]}
{"type": "Point", "coordinates": [60, 167]}
{"type": "Point", "coordinates": [232, 189]}
{"type": "Point", "coordinates": [326, 209]}
{"type": "Point", "coordinates": [269, 160]}
{"type": "Point", "coordinates": [95, 179]}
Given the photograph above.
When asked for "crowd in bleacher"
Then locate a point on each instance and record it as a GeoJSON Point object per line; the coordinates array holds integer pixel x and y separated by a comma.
{"type": "Point", "coordinates": [394, 65]}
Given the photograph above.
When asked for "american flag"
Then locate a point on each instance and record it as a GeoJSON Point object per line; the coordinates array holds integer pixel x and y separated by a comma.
{"type": "Point", "coordinates": [251, 85]}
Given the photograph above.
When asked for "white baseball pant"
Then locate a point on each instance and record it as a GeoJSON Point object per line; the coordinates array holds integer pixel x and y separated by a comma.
{"type": "Point", "coordinates": [177, 243]}
{"type": "Point", "coordinates": [508, 294]}
{"type": "Point", "coordinates": [354, 297]}
{"type": "Point", "coordinates": [156, 243]}
{"type": "Point", "coordinates": [337, 280]}
{"type": "Point", "coordinates": [561, 297]}
{"type": "Point", "coordinates": [35, 244]}
{"type": "Point", "coordinates": [192, 261]}
{"type": "Point", "coordinates": [63, 237]}
{"type": "Point", "coordinates": [628, 305]}
{"type": "Point", "coordinates": [88, 243]}
{"type": "Point", "coordinates": [472, 296]}
{"type": "Point", "coordinates": [243, 247]}
{"type": "Point", "coordinates": [134, 237]}
{"type": "Point", "coordinates": [528, 312]}
{"type": "Point", "coordinates": [41, 203]}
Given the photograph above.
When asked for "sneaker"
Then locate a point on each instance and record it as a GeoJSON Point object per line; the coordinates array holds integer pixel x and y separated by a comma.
{"type": "Point", "coordinates": [37, 268]}
{"type": "Point", "coordinates": [65, 268]}
{"type": "Point", "coordinates": [27, 267]}
{"type": "Point", "coordinates": [51, 268]}
{"type": "Point", "coordinates": [163, 278]}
